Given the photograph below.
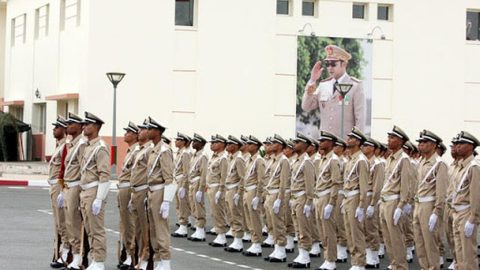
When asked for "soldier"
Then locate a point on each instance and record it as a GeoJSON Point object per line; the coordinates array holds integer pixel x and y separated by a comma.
{"type": "Point", "coordinates": [412, 151]}
{"type": "Point", "coordinates": [180, 172]}
{"type": "Point", "coordinates": [339, 149]}
{"type": "Point", "coordinates": [197, 175]}
{"type": "Point", "coordinates": [247, 228]}
{"type": "Point", "coordinates": [234, 194]}
{"type": "Point", "coordinates": [429, 201]}
{"type": "Point", "coordinates": [394, 196]}
{"type": "Point", "coordinates": [95, 184]}
{"type": "Point", "coordinates": [326, 98]}
{"type": "Point", "coordinates": [466, 203]}
{"type": "Point", "coordinates": [270, 157]}
{"type": "Point", "coordinates": [253, 183]}
{"type": "Point", "coordinates": [289, 152]}
{"type": "Point", "coordinates": [55, 173]}
{"type": "Point", "coordinates": [380, 153]}
{"type": "Point", "coordinates": [328, 181]}
{"type": "Point", "coordinates": [139, 186]}
{"type": "Point", "coordinates": [276, 203]}
{"type": "Point", "coordinates": [375, 184]}
{"type": "Point", "coordinates": [216, 176]}
{"type": "Point", "coordinates": [315, 156]}
{"type": "Point", "coordinates": [127, 224]}
{"type": "Point", "coordinates": [71, 192]}
{"type": "Point", "coordinates": [356, 177]}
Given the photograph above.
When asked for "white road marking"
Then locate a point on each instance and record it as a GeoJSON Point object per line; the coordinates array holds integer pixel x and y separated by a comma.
{"type": "Point", "coordinates": [16, 187]}
{"type": "Point", "coordinates": [48, 212]}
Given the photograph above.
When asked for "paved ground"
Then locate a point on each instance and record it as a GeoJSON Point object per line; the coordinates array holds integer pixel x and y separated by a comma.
{"type": "Point", "coordinates": [27, 238]}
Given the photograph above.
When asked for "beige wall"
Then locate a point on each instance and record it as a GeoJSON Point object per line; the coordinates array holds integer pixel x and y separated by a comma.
{"type": "Point", "coordinates": [3, 14]}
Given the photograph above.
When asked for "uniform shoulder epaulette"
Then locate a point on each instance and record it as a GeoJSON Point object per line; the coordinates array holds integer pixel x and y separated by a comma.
{"type": "Point", "coordinates": [327, 79]}
{"type": "Point", "coordinates": [355, 79]}
{"type": "Point", "coordinates": [335, 157]}
{"type": "Point", "coordinates": [102, 143]}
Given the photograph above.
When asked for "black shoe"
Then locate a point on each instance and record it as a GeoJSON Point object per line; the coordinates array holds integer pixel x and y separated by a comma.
{"type": "Point", "coordinates": [193, 228]}
{"type": "Point", "coordinates": [315, 255]}
{"type": "Point", "coordinates": [229, 236]}
{"type": "Point", "coordinates": [71, 268]}
{"type": "Point", "coordinates": [251, 254]}
{"type": "Point", "coordinates": [449, 260]}
{"type": "Point", "coordinates": [194, 239]}
{"type": "Point", "coordinates": [291, 250]}
{"type": "Point", "coordinates": [372, 266]}
{"type": "Point", "coordinates": [265, 233]}
{"type": "Point", "coordinates": [57, 265]}
{"type": "Point", "coordinates": [381, 256]}
{"type": "Point", "coordinates": [246, 241]}
{"type": "Point", "coordinates": [324, 269]}
{"type": "Point", "coordinates": [213, 244]}
{"type": "Point", "coordinates": [177, 235]}
{"type": "Point", "coordinates": [265, 245]}
{"type": "Point", "coordinates": [211, 233]}
{"type": "Point", "coordinates": [125, 267]}
{"type": "Point", "coordinates": [341, 261]}
{"type": "Point", "coordinates": [410, 261]}
{"type": "Point", "coordinates": [277, 260]}
{"type": "Point", "coordinates": [233, 250]}
{"type": "Point", "coordinates": [298, 265]}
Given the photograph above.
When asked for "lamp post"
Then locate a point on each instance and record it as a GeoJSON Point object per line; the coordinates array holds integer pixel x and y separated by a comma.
{"type": "Point", "coordinates": [343, 89]}
{"type": "Point", "coordinates": [115, 78]}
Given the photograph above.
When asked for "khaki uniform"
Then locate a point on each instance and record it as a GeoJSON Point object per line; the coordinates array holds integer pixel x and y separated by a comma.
{"type": "Point", "coordinates": [430, 198]}
{"type": "Point", "coordinates": [138, 182]}
{"type": "Point", "coordinates": [448, 210]}
{"type": "Point", "coordinates": [278, 183]}
{"type": "Point", "coordinates": [247, 228]}
{"type": "Point", "coordinates": [216, 176]}
{"type": "Point", "coordinates": [269, 160]}
{"type": "Point", "coordinates": [54, 167]}
{"type": "Point", "coordinates": [314, 222]}
{"type": "Point", "coordinates": [394, 195]}
{"type": "Point", "coordinates": [356, 177]}
{"type": "Point", "coordinates": [328, 181]}
{"type": "Point", "coordinates": [253, 187]}
{"type": "Point", "coordinates": [234, 185]}
{"type": "Point", "coordinates": [466, 207]}
{"type": "Point", "coordinates": [127, 224]}
{"type": "Point", "coordinates": [197, 176]}
{"type": "Point", "coordinates": [73, 215]}
{"type": "Point", "coordinates": [375, 184]}
{"type": "Point", "coordinates": [303, 182]}
{"type": "Point", "coordinates": [182, 163]}
{"type": "Point", "coordinates": [338, 215]}
{"type": "Point", "coordinates": [160, 172]}
{"type": "Point", "coordinates": [408, 218]}
{"type": "Point", "coordinates": [95, 167]}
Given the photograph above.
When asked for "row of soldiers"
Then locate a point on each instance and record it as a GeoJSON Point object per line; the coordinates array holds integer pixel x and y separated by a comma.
{"type": "Point", "coordinates": [353, 195]}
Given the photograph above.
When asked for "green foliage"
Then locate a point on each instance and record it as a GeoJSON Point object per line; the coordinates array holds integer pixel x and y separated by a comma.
{"type": "Point", "coordinates": [8, 125]}
{"type": "Point", "coordinates": [310, 50]}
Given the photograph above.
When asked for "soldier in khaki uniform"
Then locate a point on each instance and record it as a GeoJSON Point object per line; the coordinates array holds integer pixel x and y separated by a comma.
{"type": "Point", "coordinates": [127, 224]}
{"type": "Point", "coordinates": [247, 227]}
{"type": "Point", "coordinates": [356, 177]}
{"type": "Point", "coordinates": [342, 255]}
{"type": "Point", "coordinates": [328, 181]}
{"type": "Point", "coordinates": [234, 192]}
{"type": "Point", "coordinates": [270, 157]}
{"type": "Point", "coordinates": [375, 184]}
{"type": "Point", "coordinates": [161, 193]}
{"type": "Point", "coordinates": [71, 191]}
{"type": "Point", "coordinates": [180, 172]}
{"type": "Point", "coordinates": [466, 203]}
{"type": "Point", "coordinates": [139, 186]}
{"type": "Point", "coordinates": [326, 98]}
{"type": "Point", "coordinates": [394, 196]}
{"type": "Point", "coordinates": [429, 201]}
{"type": "Point", "coordinates": [411, 150]}
{"type": "Point", "coordinates": [302, 184]}
{"type": "Point", "coordinates": [197, 175]}
{"type": "Point", "coordinates": [216, 177]}
{"type": "Point", "coordinates": [55, 172]}
{"type": "Point", "coordinates": [95, 184]}
{"type": "Point", "coordinates": [276, 203]}
{"type": "Point", "coordinates": [313, 153]}
{"type": "Point", "coordinates": [253, 190]}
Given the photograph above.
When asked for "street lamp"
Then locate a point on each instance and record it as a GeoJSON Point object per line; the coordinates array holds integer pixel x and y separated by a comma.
{"type": "Point", "coordinates": [115, 78]}
{"type": "Point", "coordinates": [343, 89]}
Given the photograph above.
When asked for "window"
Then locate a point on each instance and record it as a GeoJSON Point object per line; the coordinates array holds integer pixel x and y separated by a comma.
{"type": "Point", "coordinates": [283, 7]}
{"type": "Point", "coordinates": [69, 14]}
{"type": "Point", "coordinates": [19, 27]}
{"type": "Point", "coordinates": [473, 28]}
{"type": "Point", "coordinates": [184, 12]}
{"type": "Point", "coordinates": [384, 12]}
{"type": "Point", "coordinates": [308, 8]}
{"type": "Point", "coordinates": [39, 118]}
{"type": "Point", "coordinates": [358, 11]}
{"type": "Point", "coordinates": [41, 21]}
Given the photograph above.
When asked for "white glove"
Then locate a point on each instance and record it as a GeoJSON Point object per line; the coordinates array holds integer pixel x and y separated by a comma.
{"type": "Point", "coordinates": [236, 198]}
{"type": "Point", "coordinates": [130, 206]}
{"type": "Point", "coordinates": [469, 229]}
{"type": "Point", "coordinates": [370, 211]}
{"type": "Point", "coordinates": [396, 216]}
{"type": "Point", "coordinates": [60, 200]}
{"type": "Point", "coordinates": [217, 196]}
{"type": "Point", "coordinates": [255, 202]}
{"type": "Point", "coordinates": [181, 192]}
{"type": "Point", "coordinates": [307, 210]}
{"type": "Point", "coordinates": [327, 211]}
{"type": "Point", "coordinates": [407, 208]}
{"type": "Point", "coordinates": [432, 222]}
{"type": "Point", "coordinates": [198, 196]}
{"type": "Point", "coordinates": [359, 214]}
{"type": "Point", "coordinates": [96, 206]}
{"type": "Point", "coordinates": [164, 209]}
{"type": "Point", "coordinates": [276, 206]}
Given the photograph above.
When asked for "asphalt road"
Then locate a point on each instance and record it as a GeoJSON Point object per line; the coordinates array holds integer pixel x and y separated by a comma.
{"type": "Point", "coordinates": [26, 241]}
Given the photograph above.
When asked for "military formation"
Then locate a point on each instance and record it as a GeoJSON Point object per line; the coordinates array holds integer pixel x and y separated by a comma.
{"type": "Point", "coordinates": [358, 199]}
